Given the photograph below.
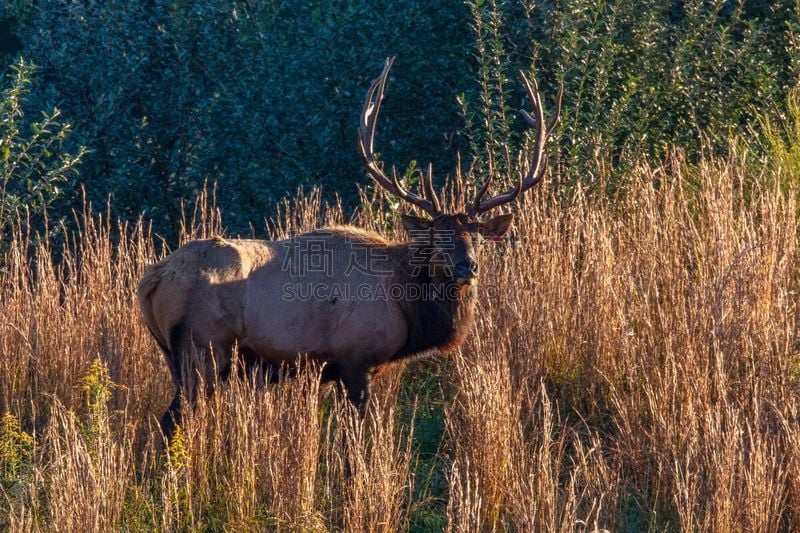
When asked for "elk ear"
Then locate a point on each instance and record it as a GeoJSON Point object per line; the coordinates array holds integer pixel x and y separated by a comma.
{"type": "Point", "coordinates": [495, 228]}
{"type": "Point", "coordinates": [415, 224]}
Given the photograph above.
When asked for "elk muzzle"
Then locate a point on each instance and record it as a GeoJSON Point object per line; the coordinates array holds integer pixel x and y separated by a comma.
{"type": "Point", "coordinates": [465, 271]}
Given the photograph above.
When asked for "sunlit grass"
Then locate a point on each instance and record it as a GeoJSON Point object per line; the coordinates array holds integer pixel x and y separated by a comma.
{"type": "Point", "coordinates": [633, 366]}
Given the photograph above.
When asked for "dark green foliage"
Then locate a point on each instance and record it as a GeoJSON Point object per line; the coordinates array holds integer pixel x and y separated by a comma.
{"type": "Point", "coordinates": [9, 43]}
{"type": "Point", "coordinates": [258, 96]}
{"type": "Point", "coordinates": [33, 162]}
{"type": "Point", "coordinates": [263, 96]}
{"type": "Point", "coordinates": [640, 76]}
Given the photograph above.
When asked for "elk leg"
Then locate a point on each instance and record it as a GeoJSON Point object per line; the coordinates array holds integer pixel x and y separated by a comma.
{"type": "Point", "coordinates": [188, 363]}
{"type": "Point", "coordinates": [172, 416]}
{"type": "Point", "coordinates": [172, 353]}
{"type": "Point", "coordinates": [253, 366]}
{"type": "Point", "coordinates": [210, 365]}
{"type": "Point", "coordinates": [357, 385]}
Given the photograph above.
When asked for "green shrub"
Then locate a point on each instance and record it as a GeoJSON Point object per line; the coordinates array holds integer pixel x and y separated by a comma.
{"type": "Point", "coordinates": [640, 76]}
{"type": "Point", "coordinates": [260, 97]}
{"type": "Point", "coordinates": [263, 97]}
{"type": "Point", "coordinates": [16, 449]}
{"type": "Point", "coordinates": [33, 162]}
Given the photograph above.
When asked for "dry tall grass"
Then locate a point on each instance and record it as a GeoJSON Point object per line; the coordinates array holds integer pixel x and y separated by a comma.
{"type": "Point", "coordinates": [634, 366]}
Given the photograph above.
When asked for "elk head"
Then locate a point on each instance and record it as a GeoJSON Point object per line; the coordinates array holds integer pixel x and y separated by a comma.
{"type": "Point", "coordinates": [452, 241]}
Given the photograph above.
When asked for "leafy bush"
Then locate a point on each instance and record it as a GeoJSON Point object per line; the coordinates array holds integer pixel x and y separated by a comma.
{"type": "Point", "coordinates": [16, 448]}
{"type": "Point", "coordinates": [258, 96]}
{"type": "Point", "coordinates": [263, 96]}
{"type": "Point", "coordinates": [640, 76]}
{"type": "Point", "coordinates": [34, 163]}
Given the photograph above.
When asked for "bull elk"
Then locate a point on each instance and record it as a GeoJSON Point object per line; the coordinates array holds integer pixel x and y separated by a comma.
{"type": "Point", "coordinates": [211, 295]}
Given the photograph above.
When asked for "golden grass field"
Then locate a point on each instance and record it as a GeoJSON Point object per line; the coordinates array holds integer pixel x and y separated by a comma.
{"type": "Point", "coordinates": [634, 367]}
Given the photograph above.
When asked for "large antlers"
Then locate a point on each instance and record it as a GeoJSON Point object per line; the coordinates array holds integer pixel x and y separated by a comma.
{"type": "Point", "coordinates": [535, 170]}
{"type": "Point", "coordinates": [366, 137]}
{"type": "Point", "coordinates": [538, 163]}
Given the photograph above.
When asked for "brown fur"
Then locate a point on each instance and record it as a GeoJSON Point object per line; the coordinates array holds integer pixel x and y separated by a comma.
{"type": "Point", "coordinates": [211, 294]}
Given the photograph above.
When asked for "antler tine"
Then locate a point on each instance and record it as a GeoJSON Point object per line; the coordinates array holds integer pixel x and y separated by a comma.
{"type": "Point", "coordinates": [398, 187]}
{"type": "Point", "coordinates": [370, 110]}
{"type": "Point", "coordinates": [538, 162]}
{"type": "Point", "coordinates": [557, 111]}
{"type": "Point", "coordinates": [366, 137]}
{"type": "Point", "coordinates": [474, 208]}
{"type": "Point", "coordinates": [532, 88]}
{"type": "Point", "coordinates": [426, 179]}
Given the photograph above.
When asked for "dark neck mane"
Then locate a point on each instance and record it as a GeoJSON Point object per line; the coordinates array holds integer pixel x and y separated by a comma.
{"type": "Point", "coordinates": [441, 317]}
